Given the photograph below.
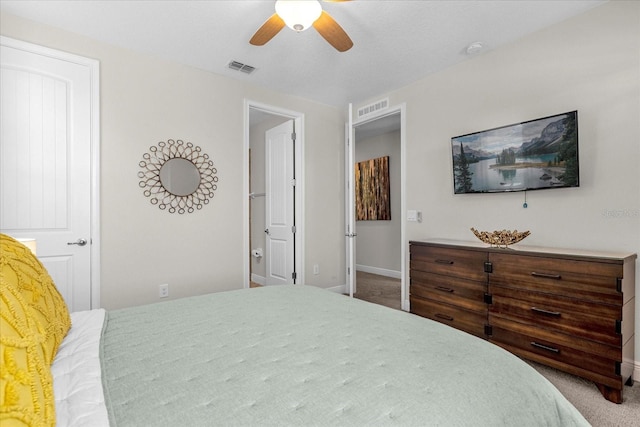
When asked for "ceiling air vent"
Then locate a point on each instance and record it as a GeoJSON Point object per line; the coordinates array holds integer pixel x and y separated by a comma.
{"type": "Point", "coordinates": [239, 66]}
{"type": "Point", "coordinates": [367, 110]}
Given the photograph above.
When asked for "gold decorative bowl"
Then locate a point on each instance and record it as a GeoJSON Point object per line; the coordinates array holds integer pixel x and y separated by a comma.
{"type": "Point", "coordinates": [500, 239]}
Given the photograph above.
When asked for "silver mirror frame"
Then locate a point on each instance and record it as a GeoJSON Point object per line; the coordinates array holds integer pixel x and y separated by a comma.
{"type": "Point", "coordinates": [159, 195]}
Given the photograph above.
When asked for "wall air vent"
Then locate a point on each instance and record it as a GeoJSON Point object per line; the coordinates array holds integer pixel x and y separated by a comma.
{"type": "Point", "coordinates": [368, 110]}
{"type": "Point", "coordinates": [239, 66]}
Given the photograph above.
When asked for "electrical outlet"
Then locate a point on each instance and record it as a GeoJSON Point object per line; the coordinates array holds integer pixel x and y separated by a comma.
{"type": "Point", "coordinates": [163, 290]}
{"type": "Point", "coordinates": [316, 269]}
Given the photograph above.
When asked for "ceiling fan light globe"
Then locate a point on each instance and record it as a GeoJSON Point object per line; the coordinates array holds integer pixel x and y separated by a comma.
{"type": "Point", "coordinates": [298, 14]}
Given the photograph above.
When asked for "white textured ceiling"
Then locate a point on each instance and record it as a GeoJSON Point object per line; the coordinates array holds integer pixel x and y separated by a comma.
{"type": "Point", "coordinates": [396, 42]}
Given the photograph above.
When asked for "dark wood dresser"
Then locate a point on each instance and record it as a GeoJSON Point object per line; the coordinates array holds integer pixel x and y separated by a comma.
{"type": "Point", "coordinates": [569, 309]}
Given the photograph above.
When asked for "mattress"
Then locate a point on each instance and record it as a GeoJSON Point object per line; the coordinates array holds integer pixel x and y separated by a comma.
{"type": "Point", "coordinates": [299, 355]}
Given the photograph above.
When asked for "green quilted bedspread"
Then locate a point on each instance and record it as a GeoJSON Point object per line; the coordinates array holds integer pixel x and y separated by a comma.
{"type": "Point", "coordinates": [299, 355]}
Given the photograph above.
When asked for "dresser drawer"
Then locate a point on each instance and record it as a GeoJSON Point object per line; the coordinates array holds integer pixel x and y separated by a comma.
{"type": "Point", "coordinates": [579, 279]}
{"type": "Point", "coordinates": [584, 319]}
{"type": "Point", "coordinates": [468, 321]}
{"type": "Point", "coordinates": [465, 293]}
{"type": "Point", "coordinates": [467, 264]}
{"type": "Point", "coordinates": [580, 369]}
{"type": "Point", "coordinates": [564, 349]}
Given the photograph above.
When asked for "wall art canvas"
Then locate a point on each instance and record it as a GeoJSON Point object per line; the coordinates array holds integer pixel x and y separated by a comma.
{"type": "Point", "coordinates": [532, 155]}
{"type": "Point", "coordinates": [373, 190]}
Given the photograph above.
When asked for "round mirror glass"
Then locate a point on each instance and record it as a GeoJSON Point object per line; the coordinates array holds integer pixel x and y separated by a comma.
{"type": "Point", "coordinates": [179, 176]}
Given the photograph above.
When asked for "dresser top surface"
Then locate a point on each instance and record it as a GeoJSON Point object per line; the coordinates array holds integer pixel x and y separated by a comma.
{"type": "Point", "coordinates": [526, 249]}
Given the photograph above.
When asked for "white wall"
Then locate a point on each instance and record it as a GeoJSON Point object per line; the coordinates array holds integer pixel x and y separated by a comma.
{"type": "Point", "coordinates": [590, 63]}
{"type": "Point", "coordinates": [379, 244]}
{"type": "Point", "coordinates": [145, 100]}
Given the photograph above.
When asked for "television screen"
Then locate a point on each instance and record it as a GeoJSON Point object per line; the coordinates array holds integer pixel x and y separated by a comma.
{"type": "Point", "coordinates": [532, 155]}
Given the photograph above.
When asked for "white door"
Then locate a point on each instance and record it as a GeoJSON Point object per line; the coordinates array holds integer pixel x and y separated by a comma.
{"type": "Point", "coordinates": [350, 202]}
{"type": "Point", "coordinates": [48, 107]}
{"type": "Point", "coordinates": [279, 205]}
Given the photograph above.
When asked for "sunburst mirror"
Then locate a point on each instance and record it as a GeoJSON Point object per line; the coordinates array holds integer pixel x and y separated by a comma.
{"type": "Point", "coordinates": [177, 176]}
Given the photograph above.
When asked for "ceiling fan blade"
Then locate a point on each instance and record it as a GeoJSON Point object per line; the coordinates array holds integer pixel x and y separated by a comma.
{"type": "Point", "coordinates": [269, 29]}
{"type": "Point", "coordinates": [332, 32]}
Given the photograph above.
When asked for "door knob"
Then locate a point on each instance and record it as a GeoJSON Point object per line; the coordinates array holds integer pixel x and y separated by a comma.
{"type": "Point", "coordinates": [267, 231]}
{"type": "Point", "coordinates": [79, 242]}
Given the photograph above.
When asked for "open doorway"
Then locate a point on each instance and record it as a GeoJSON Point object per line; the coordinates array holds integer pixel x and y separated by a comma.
{"type": "Point", "coordinates": [378, 243]}
{"type": "Point", "coordinates": [273, 253]}
{"type": "Point", "coordinates": [379, 259]}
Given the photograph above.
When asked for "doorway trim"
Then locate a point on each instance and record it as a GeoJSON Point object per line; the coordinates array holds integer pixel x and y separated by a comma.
{"type": "Point", "coordinates": [298, 119]}
{"type": "Point", "coordinates": [397, 109]}
{"type": "Point", "coordinates": [93, 65]}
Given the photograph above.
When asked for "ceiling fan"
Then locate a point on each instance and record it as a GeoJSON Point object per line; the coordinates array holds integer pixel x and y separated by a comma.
{"type": "Point", "coordinates": [300, 15]}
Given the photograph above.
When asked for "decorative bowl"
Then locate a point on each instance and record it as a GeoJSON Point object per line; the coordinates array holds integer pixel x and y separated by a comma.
{"type": "Point", "coordinates": [502, 238]}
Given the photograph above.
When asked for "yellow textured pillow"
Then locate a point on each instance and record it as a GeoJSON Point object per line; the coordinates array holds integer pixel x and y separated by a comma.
{"type": "Point", "coordinates": [33, 322]}
{"type": "Point", "coordinates": [26, 388]}
{"type": "Point", "coordinates": [21, 269]}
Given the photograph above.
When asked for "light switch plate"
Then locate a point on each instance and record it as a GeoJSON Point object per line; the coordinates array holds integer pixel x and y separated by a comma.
{"type": "Point", "coordinates": [414, 216]}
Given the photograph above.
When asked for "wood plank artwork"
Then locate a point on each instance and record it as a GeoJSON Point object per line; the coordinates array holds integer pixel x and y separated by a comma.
{"type": "Point", "coordinates": [373, 190]}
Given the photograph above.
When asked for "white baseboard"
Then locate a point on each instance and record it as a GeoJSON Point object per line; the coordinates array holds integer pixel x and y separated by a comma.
{"type": "Point", "coordinates": [379, 271]}
{"type": "Point", "coordinates": [341, 289]}
{"type": "Point", "coordinates": [258, 279]}
{"type": "Point", "coordinates": [636, 371]}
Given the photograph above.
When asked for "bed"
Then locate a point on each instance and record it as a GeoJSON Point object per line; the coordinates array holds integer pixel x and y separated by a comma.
{"type": "Point", "coordinates": [289, 355]}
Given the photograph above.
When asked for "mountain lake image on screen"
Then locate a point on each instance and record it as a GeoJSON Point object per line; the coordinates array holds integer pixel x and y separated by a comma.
{"type": "Point", "coordinates": [532, 155]}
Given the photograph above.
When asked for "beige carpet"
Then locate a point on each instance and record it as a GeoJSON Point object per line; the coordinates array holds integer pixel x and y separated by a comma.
{"type": "Point", "coordinates": [582, 393]}
{"type": "Point", "coordinates": [587, 399]}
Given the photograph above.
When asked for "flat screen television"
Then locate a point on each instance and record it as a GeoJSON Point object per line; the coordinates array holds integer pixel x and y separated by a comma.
{"type": "Point", "coordinates": [532, 155]}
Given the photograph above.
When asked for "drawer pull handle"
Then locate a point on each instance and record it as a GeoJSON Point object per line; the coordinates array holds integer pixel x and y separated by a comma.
{"type": "Point", "coordinates": [444, 289]}
{"type": "Point", "coordinates": [547, 312]}
{"type": "Point", "coordinates": [546, 275]}
{"type": "Point", "coordinates": [444, 261]}
{"type": "Point", "coordinates": [545, 347]}
{"type": "Point", "coordinates": [444, 316]}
